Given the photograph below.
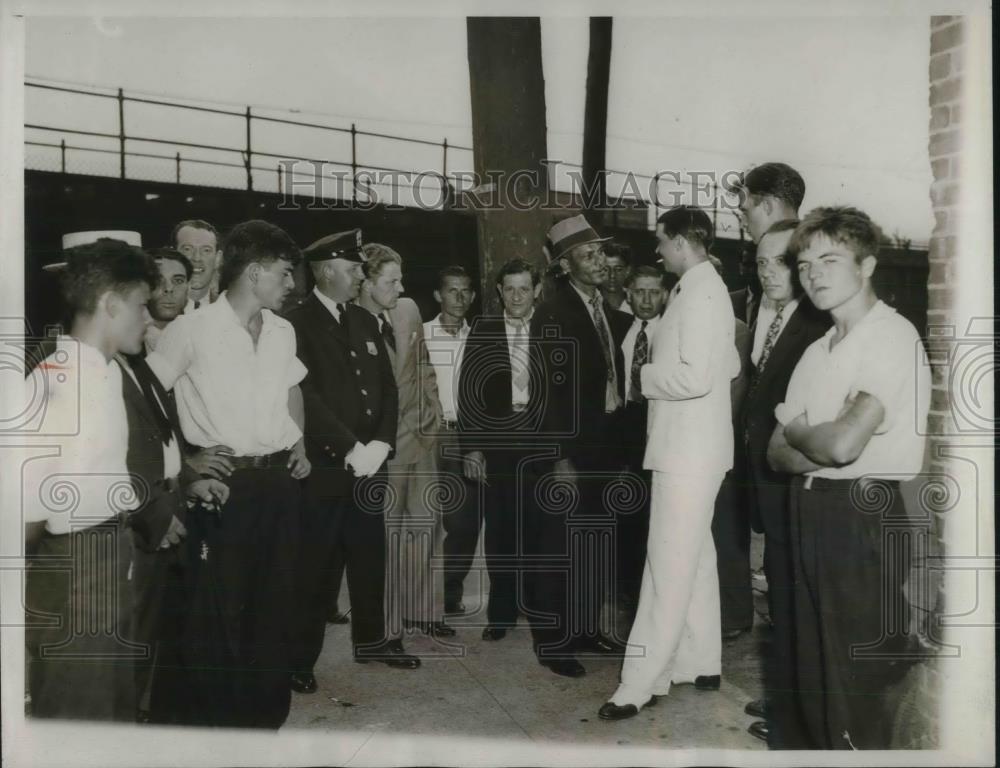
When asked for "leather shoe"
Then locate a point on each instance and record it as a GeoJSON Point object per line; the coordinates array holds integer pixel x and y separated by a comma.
{"type": "Point", "coordinates": [391, 654]}
{"type": "Point", "coordinates": [758, 729]}
{"type": "Point", "coordinates": [732, 634]}
{"type": "Point", "coordinates": [566, 667]}
{"type": "Point", "coordinates": [304, 683]}
{"type": "Point", "coordinates": [603, 645]}
{"type": "Point", "coordinates": [434, 628]}
{"type": "Point", "coordinates": [756, 708]}
{"type": "Point", "coordinates": [454, 609]}
{"type": "Point", "coordinates": [143, 716]}
{"type": "Point", "coordinates": [494, 633]}
{"type": "Point", "coordinates": [708, 682]}
{"type": "Point", "coordinates": [336, 617]}
{"type": "Point", "coordinates": [614, 712]}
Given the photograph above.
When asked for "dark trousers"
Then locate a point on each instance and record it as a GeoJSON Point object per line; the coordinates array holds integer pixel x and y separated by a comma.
{"type": "Point", "coordinates": [850, 614]}
{"type": "Point", "coordinates": [341, 534]}
{"type": "Point", "coordinates": [81, 655]}
{"type": "Point", "coordinates": [239, 562]}
{"type": "Point", "coordinates": [569, 538]}
{"type": "Point", "coordinates": [632, 520]}
{"type": "Point", "coordinates": [461, 525]}
{"type": "Point", "coordinates": [504, 501]}
{"type": "Point", "coordinates": [731, 533]}
{"type": "Point", "coordinates": [780, 679]}
{"type": "Point", "coordinates": [157, 581]}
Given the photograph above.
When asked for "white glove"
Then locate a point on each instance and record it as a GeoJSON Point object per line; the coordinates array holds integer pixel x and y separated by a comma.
{"type": "Point", "coordinates": [379, 452]}
{"type": "Point", "coordinates": [354, 456]}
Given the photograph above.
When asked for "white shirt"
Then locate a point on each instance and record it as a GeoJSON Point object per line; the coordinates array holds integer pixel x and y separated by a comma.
{"type": "Point", "coordinates": [171, 451]}
{"type": "Point", "coordinates": [765, 316]}
{"type": "Point", "coordinates": [445, 352]}
{"type": "Point", "coordinates": [883, 356]}
{"type": "Point", "coordinates": [519, 356]}
{"type": "Point", "coordinates": [611, 399]}
{"type": "Point", "coordinates": [628, 346]}
{"type": "Point", "coordinates": [82, 412]}
{"type": "Point", "coordinates": [228, 392]}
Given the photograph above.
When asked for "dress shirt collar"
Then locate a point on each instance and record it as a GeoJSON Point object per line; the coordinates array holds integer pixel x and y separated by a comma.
{"type": "Point", "coordinates": [650, 324]}
{"type": "Point", "coordinates": [439, 330]}
{"type": "Point", "coordinates": [588, 299]}
{"type": "Point", "coordinates": [329, 303]}
{"type": "Point", "coordinates": [518, 322]}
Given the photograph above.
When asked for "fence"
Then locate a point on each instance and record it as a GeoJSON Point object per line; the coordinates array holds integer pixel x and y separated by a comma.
{"type": "Point", "coordinates": [427, 173]}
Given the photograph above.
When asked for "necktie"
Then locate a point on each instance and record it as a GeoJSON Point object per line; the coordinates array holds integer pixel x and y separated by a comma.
{"type": "Point", "coordinates": [772, 335]}
{"type": "Point", "coordinates": [519, 358]}
{"type": "Point", "coordinates": [640, 356]}
{"type": "Point", "coordinates": [342, 309]}
{"type": "Point", "coordinates": [602, 333]}
{"type": "Point", "coordinates": [387, 335]}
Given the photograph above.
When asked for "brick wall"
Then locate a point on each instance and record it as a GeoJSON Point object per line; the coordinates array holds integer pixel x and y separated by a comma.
{"type": "Point", "coordinates": [918, 715]}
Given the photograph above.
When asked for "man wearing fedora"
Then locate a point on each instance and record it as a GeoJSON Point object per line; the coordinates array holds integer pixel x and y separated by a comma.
{"type": "Point", "coordinates": [351, 409]}
{"type": "Point", "coordinates": [576, 340]}
{"type": "Point", "coordinates": [676, 636]}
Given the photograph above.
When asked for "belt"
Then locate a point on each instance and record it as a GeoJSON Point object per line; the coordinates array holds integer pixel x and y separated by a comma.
{"type": "Point", "coordinates": [519, 407]}
{"type": "Point", "coordinates": [276, 459]}
{"type": "Point", "coordinates": [451, 426]}
{"type": "Point", "coordinates": [813, 483]}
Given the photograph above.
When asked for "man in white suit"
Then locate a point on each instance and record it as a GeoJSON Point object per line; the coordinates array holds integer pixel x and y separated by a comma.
{"type": "Point", "coordinates": [676, 636]}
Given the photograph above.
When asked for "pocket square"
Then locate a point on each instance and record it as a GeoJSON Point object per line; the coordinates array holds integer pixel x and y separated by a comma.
{"type": "Point", "coordinates": [372, 349]}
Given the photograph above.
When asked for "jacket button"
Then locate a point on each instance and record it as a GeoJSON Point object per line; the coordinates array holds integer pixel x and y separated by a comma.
{"type": "Point", "coordinates": [364, 392]}
{"type": "Point", "coordinates": [353, 353]}
{"type": "Point", "coordinates": [368, 411]}
{"type": "Point", "coordinates": [357, 371]}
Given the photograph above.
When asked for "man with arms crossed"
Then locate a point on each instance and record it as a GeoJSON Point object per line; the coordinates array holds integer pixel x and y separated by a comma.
{"type": "Point", "coordinates": [676, 637]}
{"type": "Point", "coordinates": [852, 425]}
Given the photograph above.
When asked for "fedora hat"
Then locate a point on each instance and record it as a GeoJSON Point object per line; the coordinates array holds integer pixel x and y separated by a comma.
{"type": "Point", "coordinates": [567, 234]}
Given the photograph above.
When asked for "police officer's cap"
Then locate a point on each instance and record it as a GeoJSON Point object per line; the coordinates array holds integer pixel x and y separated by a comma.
{"type": "Point", "coordinates": [341, 245]}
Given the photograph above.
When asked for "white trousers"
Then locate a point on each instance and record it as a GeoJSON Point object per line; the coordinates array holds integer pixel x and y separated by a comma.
{"type": "Point", "coordinates": [677, 633]}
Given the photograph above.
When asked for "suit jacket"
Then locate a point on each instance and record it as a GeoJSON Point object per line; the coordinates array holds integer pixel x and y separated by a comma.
{"type": "Point", "coordinates": [151, 520]}
{"type": "Point", "coordinates": [740, 299]}
{"type": "Point", "coordinates": [486, 417]}
{"type": "Point", "coordinates": [419, 407]}
{"type": "Point", "coordinates": [572, 373]}
{"type": "Point", "coordinates": [694, 359]}
{"type": "Point", "coordinates": [349, 392]}
{"type": "Point", "coordinates": [804, 326]}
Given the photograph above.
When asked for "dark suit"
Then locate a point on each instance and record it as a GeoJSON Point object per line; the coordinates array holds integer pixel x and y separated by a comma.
{"type": "Point", "coordinates": [157, 573]}
{"type": "Point", "coordinates": [731, 520]}
{"type": "Point", "coordinates": [567, 538]}
{"type": "Point", "coordinates": [350, 397]}
{"type": "Point", "coordinates": [746, 305]}
{"type": "Point", "coordinates": [488, 423]}
{"type": "Point", "coordinates": [769, 504]}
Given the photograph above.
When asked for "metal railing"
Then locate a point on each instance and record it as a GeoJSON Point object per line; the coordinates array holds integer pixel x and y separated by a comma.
{"type": "Point", "coordinates": [248, 158]}
{"type": "Point", "coordinates": [251, 159]}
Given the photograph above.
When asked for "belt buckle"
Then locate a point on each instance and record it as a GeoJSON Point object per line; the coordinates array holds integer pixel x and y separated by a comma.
{"type": "Point", "coordinates": [808, 484]}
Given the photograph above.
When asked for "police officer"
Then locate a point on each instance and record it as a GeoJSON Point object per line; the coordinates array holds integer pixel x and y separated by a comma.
{"type": "Point", "coordinates": [350, 412]}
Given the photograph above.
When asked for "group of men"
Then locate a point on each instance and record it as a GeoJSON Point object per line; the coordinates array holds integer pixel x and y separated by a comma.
{"type": "Point", "coordinates": [270, 448]}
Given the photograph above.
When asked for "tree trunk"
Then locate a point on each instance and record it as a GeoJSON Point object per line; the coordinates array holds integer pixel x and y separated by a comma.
{"type": "Point", "coordinates": [509, 145]}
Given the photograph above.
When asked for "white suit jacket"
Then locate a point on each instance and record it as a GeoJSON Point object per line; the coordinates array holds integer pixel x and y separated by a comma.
{"type": "Point", "coordinates": [694, 357]}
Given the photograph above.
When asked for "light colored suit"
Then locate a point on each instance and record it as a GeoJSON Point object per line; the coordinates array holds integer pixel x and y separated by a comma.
{"type": "Point", "coordinates": [676, 635]}
{"type": "Point", "coordinates": [414, 532]}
